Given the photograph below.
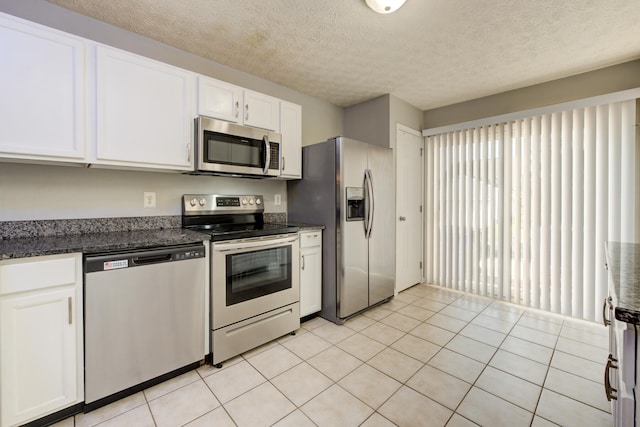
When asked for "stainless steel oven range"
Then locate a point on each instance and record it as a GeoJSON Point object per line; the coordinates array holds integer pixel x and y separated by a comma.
{"type": "Point", "coordinates": [255, 289]}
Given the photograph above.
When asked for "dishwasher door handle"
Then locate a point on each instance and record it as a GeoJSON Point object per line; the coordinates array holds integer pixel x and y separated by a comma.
{"type": "Point", "coordinates": [151, 259]}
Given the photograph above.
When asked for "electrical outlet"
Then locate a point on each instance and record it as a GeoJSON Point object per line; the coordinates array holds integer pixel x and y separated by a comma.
{"type": "Point", "coordinates": [277, 200]}
{"type": "Point", "coordinates": [149, 199]}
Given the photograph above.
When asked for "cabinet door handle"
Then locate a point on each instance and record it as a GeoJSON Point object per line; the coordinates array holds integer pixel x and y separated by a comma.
{"type": "Point", "coordinates": [189, 152]}
{"type": "Point", "coordinates": [246, 111]}
{"type": "Point", "coordinates": [282, 162]}
{"type": "Point", "coordinates": [606, 321]}
{"type": "Point", "coordinates": [607, 384]}
{"type": "Point", "coordinates": [303, 262]}
{"type": "Point", "coordinates": [237, 109]}
{"type": "Point", "coordinates": [70, 310]}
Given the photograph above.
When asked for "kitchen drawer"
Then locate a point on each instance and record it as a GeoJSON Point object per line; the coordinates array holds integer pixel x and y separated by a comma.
{"type": "Point", "coordinates": [27, 274]}
{"type": "Point", "coordinates": [310, 238]}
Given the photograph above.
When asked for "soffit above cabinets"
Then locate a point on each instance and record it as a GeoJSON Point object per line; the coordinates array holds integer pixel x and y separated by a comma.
{"type": "Point", "coordinates": [429, 53]}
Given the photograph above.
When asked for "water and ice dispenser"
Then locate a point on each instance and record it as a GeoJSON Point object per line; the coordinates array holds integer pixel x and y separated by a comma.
{"type": "Point", "coordinates": [355, 204]}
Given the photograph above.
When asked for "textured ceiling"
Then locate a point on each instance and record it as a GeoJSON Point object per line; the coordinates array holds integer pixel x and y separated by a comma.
{"type": "Point", "coordinates": [430, 53]}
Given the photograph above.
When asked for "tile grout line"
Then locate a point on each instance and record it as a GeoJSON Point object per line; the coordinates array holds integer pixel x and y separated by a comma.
{"type": "Point", "coordinates": [482, 371]}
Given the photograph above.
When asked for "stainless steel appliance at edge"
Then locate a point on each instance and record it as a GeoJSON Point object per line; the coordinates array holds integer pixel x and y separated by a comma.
{"type": "Point", "coordinates": [223, 148]}
{"type": "Point", "coordinates": [349, 187]}
{"type": "Point", "coordinates": [255, 285]}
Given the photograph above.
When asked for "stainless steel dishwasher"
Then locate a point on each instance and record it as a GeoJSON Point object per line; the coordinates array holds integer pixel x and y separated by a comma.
{"type": "Point", "coordinates": [144, 319]}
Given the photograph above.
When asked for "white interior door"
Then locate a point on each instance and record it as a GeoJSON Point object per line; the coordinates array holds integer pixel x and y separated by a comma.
{"type": "Point", "coordinates": [409, 178]}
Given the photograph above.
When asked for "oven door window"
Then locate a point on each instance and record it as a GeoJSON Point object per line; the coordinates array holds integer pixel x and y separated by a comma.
{"type": "Point", "coordinates": [254, 274]}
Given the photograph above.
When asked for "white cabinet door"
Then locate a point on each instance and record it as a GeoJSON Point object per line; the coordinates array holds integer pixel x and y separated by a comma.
{"type": "Point", "coordinates": [261, 111]}
{"type": "Point", "coordinates": [310, 272]}
{"type": "Point", "coordinates": [41, 359]}
{"type": "Point", "coordinates": [144, 111]}
{"type": "Point", "coordinates": [291, 130]}
{"type": "Point", "coordinates": [219, 99]}
{"type": "Point", "coordinates": [42, 90]}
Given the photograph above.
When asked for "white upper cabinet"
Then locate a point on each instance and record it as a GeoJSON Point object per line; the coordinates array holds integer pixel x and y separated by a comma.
{"type": "Point", "coordinates": [69, 100]}
{"type": "Point", "coordinates": [291, 149]}
{"type": "Point", "coordinates": [42, 90]}
{"type": "Point", "coordinates": [261, 111]}
{"type": "Point", "coordinates": [219, 100]}
{"type": "Point", "coordinates": [144, 111]}
{"type": "Point", "coordinates": [222, 100]}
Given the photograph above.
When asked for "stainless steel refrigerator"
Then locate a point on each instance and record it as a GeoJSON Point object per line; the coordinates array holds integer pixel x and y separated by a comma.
{"type": "Point", "coordinates": [349, 187]}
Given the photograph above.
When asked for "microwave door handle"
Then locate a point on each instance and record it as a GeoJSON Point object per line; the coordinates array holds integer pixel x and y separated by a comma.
{"type": "Point", "coordinates": [267, 156]}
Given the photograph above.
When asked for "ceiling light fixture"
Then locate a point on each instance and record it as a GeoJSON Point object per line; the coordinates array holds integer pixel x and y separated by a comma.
{"type": "Point", "coordinates": [385, 6]}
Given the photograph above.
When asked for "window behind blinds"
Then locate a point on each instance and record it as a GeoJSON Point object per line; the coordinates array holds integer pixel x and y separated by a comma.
{"type": "Point", "coordinates": [520, 211]}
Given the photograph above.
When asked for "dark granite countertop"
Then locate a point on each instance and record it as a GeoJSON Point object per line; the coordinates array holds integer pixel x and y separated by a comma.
{"type": "Point", "coordinates": [96, 242]}
{"type": "Point", "coordinates": [307, 227]}
{"type": "Point", "coordinates": [19, 239]}
{"type": "Point", "coordinates": [623, 261]}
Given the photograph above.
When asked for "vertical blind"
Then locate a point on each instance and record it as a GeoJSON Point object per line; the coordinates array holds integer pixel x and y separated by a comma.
{"type": "Point", "coordinates": [520, 211]}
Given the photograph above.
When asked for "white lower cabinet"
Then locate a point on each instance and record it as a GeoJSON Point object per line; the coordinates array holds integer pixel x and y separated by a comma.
{"type": "Point", "coordinates": [41, 344]}
{"type": "Point", "coordinates": [310, 272]}
{"type": "Point", "coordinates": [621, 368]}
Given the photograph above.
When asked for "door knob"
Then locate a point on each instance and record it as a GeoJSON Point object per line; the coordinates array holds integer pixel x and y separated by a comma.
{"type": "Point", "coordinates": [402, 218]}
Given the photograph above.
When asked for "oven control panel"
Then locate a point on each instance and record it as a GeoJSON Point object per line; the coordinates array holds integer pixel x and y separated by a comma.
{"type": "Point", "coordinates": [199, 204]}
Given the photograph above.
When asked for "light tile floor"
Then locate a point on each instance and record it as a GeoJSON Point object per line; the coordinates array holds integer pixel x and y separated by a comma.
{"type": "Point", "coordinates": [429, 357]}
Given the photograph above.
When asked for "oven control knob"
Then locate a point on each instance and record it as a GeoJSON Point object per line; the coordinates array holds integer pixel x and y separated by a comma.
{"type": "Point", "coordinates": [258, 201]}
{"type": "Point", "coordinates": [244, 201]}
{"type": "Point", "coordinates": [251, 202]}
{"type": "Point", "coordinates": [193, 202]}
{"type": "Point", "coordinates": [203, 202]}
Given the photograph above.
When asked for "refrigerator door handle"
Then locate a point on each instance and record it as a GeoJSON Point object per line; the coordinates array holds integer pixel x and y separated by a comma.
{"type": "Point", "coordinates": [370, 211]}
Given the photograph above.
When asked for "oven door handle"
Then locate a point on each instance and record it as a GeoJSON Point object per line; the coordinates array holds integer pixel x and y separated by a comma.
{"type": "Point", "coordinates": [262, 244]}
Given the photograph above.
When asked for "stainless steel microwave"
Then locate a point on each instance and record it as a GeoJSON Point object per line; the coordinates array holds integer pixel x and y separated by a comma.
{"type": "Point", "coordinates": [223, 148]}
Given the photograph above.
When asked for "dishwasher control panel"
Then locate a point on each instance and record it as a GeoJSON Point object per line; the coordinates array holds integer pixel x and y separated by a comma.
{"type": "Point", "coordinates": [136, 258]}
{"type": "Point", "coordinates": [190, 254]}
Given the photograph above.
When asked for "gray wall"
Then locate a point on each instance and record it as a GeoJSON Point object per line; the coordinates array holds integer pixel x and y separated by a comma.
{"type": "Point", "coordinates": [368, 121]}
{"type": "Point", "coordinates": [599, 82]}
{"type": "Point", "coordinates": [375, 120]}
{"type": "Point", "coordinates": [56, 192]}
{"type": "Point", "coordinates": [31, 192]}
{"type": "Point", "coordinates": [405, 114]}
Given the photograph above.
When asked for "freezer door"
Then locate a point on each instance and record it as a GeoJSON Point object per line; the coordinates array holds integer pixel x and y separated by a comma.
{"type": "Point", "coordinates": [382, 265]}
{"type": "Point", "coordinates": [351, 250]}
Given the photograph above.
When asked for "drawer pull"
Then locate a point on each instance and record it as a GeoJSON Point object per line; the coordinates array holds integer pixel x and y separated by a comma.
{"type": "Point", "coordinates": [607, 383]}
{"type": "Point", "coordinates": [606, 321]}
